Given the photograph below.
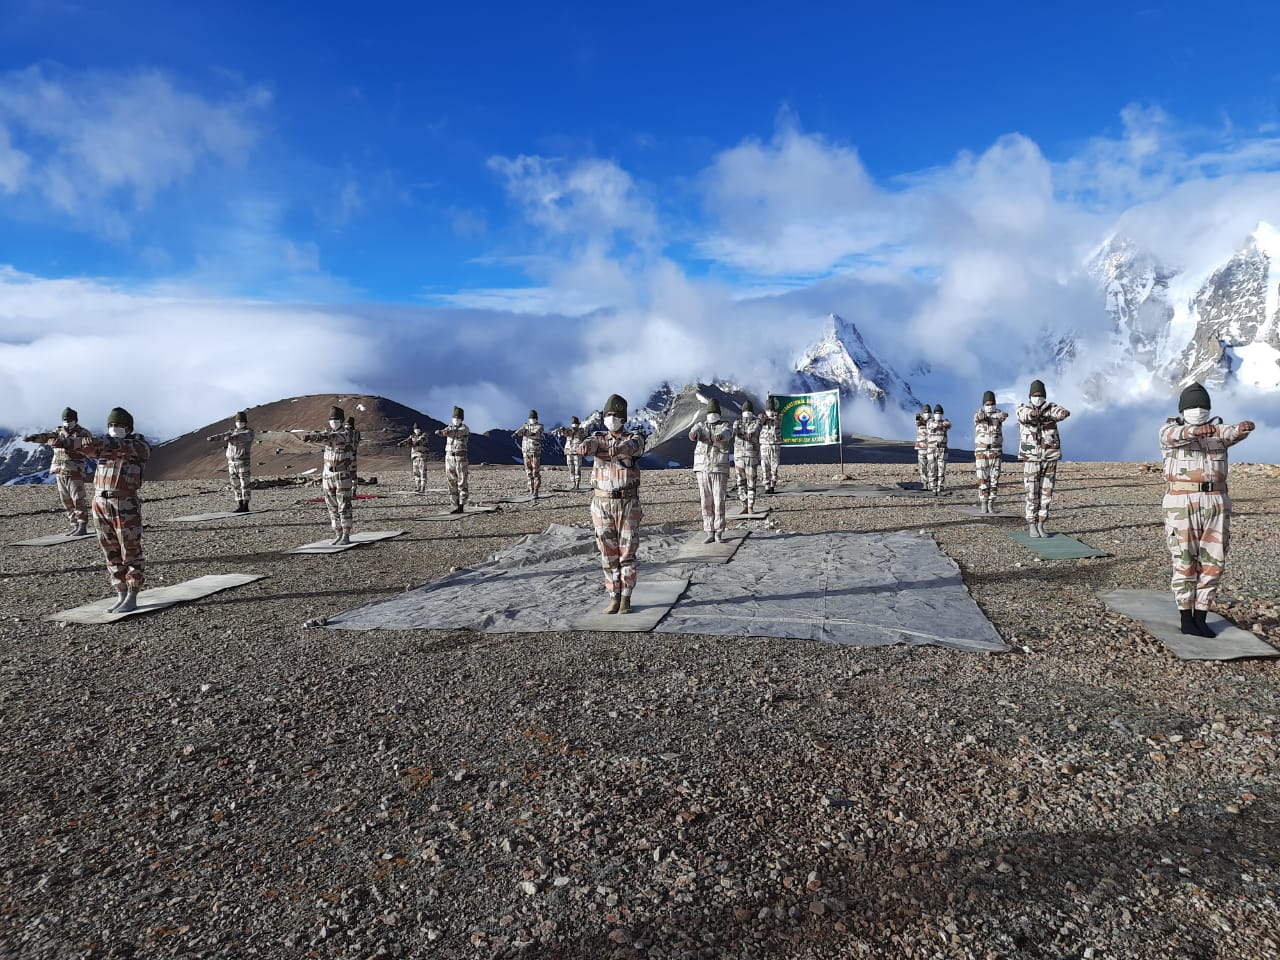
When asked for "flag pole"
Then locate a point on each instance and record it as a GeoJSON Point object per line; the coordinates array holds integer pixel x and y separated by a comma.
{"type": "Point", "coordinates": [839, 436]}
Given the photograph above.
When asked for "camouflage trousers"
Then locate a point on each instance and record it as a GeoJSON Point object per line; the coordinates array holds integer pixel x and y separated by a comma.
{"type": "Point", "coordinates": [339, 488]}
{"type": "Point", "coordinates": [937, 464]}
{"type": "Point", "coordinates": [574, 462]}
{"type": "Point", "coordinates": [986, 467]}
{"type": "Point", "coordinates": [533, 473]}
{"type": "Point", "coordinates": [711, 491]}
{"type": "Point", "coordinates": [74, 499]}
{"type": "Point", "coordinates": [1197, 529]}
{"type": "Point", "coordinates": [1037, 482]}
{"type": "Point", "coordinates": [617, 527]}
{"type": "Point", "coordinates": [419, 466]}
{"type": "Point", "coordinates": [456, 471]}
{"type": "Point", "coordinates": [770, 457]}
{"type": "Point", "coordinates": [118, 521]}
{"type": "Point", "coordinates": [922, 460]}
{"type": "Point", "coordinates": [240, 473]}
{"type": "Point", "coordinates": [748, 475]}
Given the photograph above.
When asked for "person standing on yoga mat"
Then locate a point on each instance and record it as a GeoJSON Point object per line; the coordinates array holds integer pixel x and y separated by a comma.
{"type": "Point", "coordinates": [339, 472]}
{"type": "Point", "coordinates": [1039, 449]}
{"type": "Point", "coordinates": [988, 450]}
{"type": "Point", "coordinates": [936, 437]}
{"type": "Point", "coordinates": [573, 435]}
{"type": "Point", "coordinates": [711, 466]}
{"type": "Point", "coordinates": [456, 436]}
{"type": "Point", "coordinates": [615, 503]}
{"type": "Point", "coordinates": [68, 468]}
{"type": "Point", "coordinates": [1197, 509]}
{"type": "Point", "coordinates": [922, 444]}
{"type": "Point", "coordinates": [117, 508]}
{"type": "Point", "coordinates": [530, 435]}
{"type": "Point", "coordinates": [770, 444]}
{"type": "Point", "coordinates": [239, 452]}
{"type": "Point", "coordinates": [419, 449]}
{"type": "Point", "coordinates": [746, 456]}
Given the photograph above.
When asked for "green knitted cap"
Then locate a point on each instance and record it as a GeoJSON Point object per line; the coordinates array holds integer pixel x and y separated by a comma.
{"type": "Point", "coordinates": [938, 409]}
{"type": "Point", "coordinates": [989, 397]}
{"type": "Point", "coordinates": [926, 409]}
{"type": "Point", "coordinates": [120, 417]}
{"type": "Point", "coordinates": [457, 413]}
{"type": "Point", "coordinates": [351, 422]}
{"type": "Point", "coordinates": [242, 416]}
{"type": "Point", "coordinates": [69, 414]}
{"type": "Point", "coordinates": [773, 403]}
{"type": "Point", "coordinates": [1037, 389]}
{"type": "Point", "coordinates": [748, 407]}
{"type": "Point", "coordinates": [713, 406]}
{"type": "Point", "coordinates": [1194, 396]}
{"type": "Point", "coordinates": [533, 414]}
{"type": "Point", "coordinates": [616, 405]}
{"type": "Point", "coordinates": [336, 413]}
{"type": "Point", "coordinates": [574, 421]}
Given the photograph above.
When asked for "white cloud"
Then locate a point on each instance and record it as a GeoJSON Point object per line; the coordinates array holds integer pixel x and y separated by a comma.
{"type": "Point", "coordinates": [13, 164]}
{"type": "Point", "coordinates": [100, 144]}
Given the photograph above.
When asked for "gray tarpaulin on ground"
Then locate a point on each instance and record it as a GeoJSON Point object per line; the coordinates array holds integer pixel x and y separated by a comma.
{"type": "Point", "coordinates": [849, 588]}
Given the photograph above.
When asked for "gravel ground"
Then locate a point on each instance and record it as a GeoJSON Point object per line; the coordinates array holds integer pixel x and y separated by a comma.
{"type": "Point", "coordinates": [218, 781]}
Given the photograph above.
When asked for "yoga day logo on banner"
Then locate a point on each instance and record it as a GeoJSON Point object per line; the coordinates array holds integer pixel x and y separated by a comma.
{"type": "Point", "coordinates": [809, 419]}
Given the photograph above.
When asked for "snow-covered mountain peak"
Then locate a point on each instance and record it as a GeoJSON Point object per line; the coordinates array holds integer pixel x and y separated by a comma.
{"type": "Point", "coordinates": [841, 360]}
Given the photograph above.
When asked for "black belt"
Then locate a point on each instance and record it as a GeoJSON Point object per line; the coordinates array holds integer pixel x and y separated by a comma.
{"type": "Point", "coordinates": [114, 494]}
{"type": "Point", "coordinates": [621, 494]}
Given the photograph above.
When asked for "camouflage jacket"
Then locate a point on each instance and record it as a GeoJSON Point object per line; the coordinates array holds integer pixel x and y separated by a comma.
{"type": "Point", "coordinates": [530, 437]}
{"type": "Point", "coordinates": [770, 429]}
{"type": "Point", "coordinates": [1038, 431]}
{"type": "Point", "coordinates": [120, 461]}
{"type": "Point", "coordinates": [617, 460]}
{"type": "Point", "coordinates": [1196, 459]}
{"type": "Point", "coordinates": [339, 450]}
{"type": "Point", "coordinates": [455, 440]}
{"type": "Point", "coordinates": [746, 442]}
{"type": "Point", "coordinates": [354, 438]}
{"type": "Point", "coordinates": [922, 431]}
{"type": "Point", "coordinates": [936, 435]}
{"type": "Point", "coordinates": [988, 430]}
{"type": "Point", "coordinates": [69, 461]}
{"type": "Point", "coordinates": [240, 445]}
{"type": "Point", "coordinates": [419, 444]}
{"type": "Point", "coordinates": [573, 437]}
{"type": "Point", "coordinates": [711, 453]}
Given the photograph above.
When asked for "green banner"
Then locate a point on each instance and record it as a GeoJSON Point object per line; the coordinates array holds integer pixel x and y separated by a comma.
{"type": "Point", "coordinates": [809, 419]}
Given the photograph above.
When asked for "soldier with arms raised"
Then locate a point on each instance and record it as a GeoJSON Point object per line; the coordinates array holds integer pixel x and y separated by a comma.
{"type": "Point", "coordinates": [339, 473]}
{"type": "Point", "coordinates": [117, 508]}
{"type": "Point", "coordinates": [573, 435]}
{"type": "Point", "coordinates": [68, 468]}
{"type": "Point", "coordinates": [239, 458]}
{"type": "Point", "coordinates": [988, 450]}
{"type": "Point", "coordinates": [711, 439]}
{"type": "Point", "coordinates": [1197, 509]}
{"type": "Point", "coordinates": [456, 468]}
{"type": "Point", "coordinates": [1040, 449]}
{"type": "Point", "coordinates": [419, 450]}
{"type": "Point", "coordinates": [530, 435]}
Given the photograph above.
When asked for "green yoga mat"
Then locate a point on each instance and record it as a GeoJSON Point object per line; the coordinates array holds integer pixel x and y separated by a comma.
{"type": "Point", "coordinates": [1057, 546]}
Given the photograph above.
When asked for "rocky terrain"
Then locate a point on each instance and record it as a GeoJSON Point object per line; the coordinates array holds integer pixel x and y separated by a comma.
{"type": "Point", "coordinates": [218, 780]}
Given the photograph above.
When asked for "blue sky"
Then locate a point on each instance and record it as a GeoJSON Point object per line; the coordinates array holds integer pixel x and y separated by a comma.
{"type": "Point", "coordinates": [370, 131]}
{"type": "Point", "coordinates": [458, 201]}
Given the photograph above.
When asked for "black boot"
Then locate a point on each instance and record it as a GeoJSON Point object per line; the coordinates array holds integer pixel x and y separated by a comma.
{"type": "Point", "coordinates": [1188, 625]}
{"type": "Point", "coordinates": [1203, 628]}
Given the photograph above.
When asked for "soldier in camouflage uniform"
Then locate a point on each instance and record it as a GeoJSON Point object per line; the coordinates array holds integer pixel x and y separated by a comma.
{"type": "Point", "coordinates": [1040, 449]}
{"type": "Point", "coordinates": [339, 473]}
{"type": "Point", "coordinates": [355, 436]}
{"type": "Point", "coordinates": [573, 435]}
{"type": "Point", "coordinates": [936, 447]}
{"type": "Point", "coordinates": [68, 467]}
{"type": "Point", "coordinates": [711, 466]}
{"type": "Point", "coordinates": [456, 467]}
{"type": "Point", "coordinates": [922, 444]}
{"type": "Point", "coordinates": [530, 436]}
{"type": "Point", "coordinates": [239, 458]}
{"type": "Point", "coordinates": [1197, 509]}
{"type": "Point", "coordinates": [988, 450]}
{"type": "Point", "coordinates": [746, 456]}
{"type": "Point", "coordinates": [117, 508]}
{"type": "Point", "coordinates": [615, 505]}
{"type": "Point", "coordinates": [770, 444]}
{"type": "Point", "coordinates": [419, 449]}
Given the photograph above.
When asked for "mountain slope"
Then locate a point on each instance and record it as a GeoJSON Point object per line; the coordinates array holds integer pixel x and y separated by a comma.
{"type": "Point", "coordinates": [843, 361]}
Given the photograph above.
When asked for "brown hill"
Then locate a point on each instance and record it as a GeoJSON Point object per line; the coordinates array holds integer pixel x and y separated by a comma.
{"type": "Point", "coordinates": [279, 452]}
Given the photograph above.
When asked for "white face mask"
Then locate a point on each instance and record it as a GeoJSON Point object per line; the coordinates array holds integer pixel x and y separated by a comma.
{"type": "Point", "coordinates": [68, 424]}
{"type": "Point", "coordinates": [1196, 415]}
{"type": "Point", "coordinates": [988, 408]}
{"type": "Point", "coordinates": [335, 424]}
{"type": "Point", "coordinates": [713, 418]}
{"type": "Point", "coordinates": [240, 424]}
{"type": "Point", "coordinates": [937, 418]}
{"type": "Point", "coordinates": [1037, 401]}
{"type": "Point", "coordinates": [457, 421]}
{"type": "Point", "coordinates": [117, 432]}
{"type": "Point", "coordinates": [748, 416]}
{"type": "Point", "coordinates": [613, 424]}
{"type": "Point", "coordinates": [532, 420]}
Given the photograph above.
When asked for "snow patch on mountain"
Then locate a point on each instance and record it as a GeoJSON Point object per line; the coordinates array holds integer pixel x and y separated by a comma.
{"type": "Point", "coordinates": [842, 361]}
